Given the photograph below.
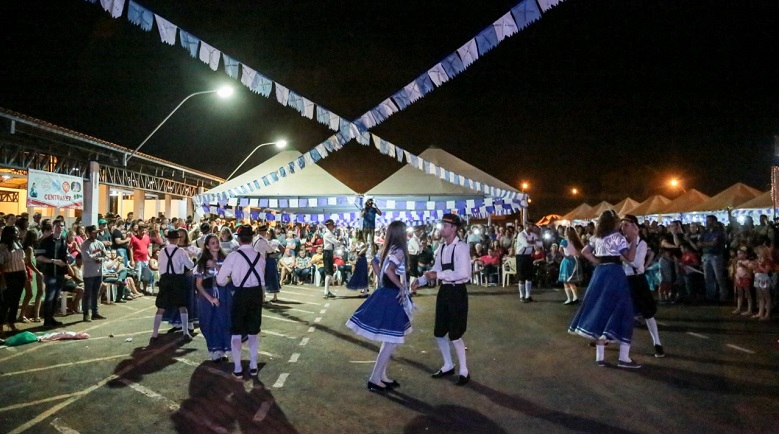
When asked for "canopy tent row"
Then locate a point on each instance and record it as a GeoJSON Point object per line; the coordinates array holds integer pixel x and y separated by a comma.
{"type": "Point", "coordinates": [692, 205]}
{"type": "Point", "coordinates": [314, 194]}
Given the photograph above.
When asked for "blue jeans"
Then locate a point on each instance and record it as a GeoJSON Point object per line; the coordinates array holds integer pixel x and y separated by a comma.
{"type": "Point", "coordinates": [714, 275]}
{"type": "Point", "coordinates": [53, 290]}
{"type": "Point", "coordinates": [91, 292]}
{"type": "Point", "coordinates": [123, 254]}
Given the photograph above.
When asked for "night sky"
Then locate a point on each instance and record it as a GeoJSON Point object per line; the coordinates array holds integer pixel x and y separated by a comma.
{"type": "Point", "coordinates": [610, 96]}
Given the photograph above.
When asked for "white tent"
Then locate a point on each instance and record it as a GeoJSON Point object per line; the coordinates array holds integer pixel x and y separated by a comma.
{"type": "Point", "coordinates": [408, 181]}
{"type": "Point", "coordinates": [732, 196]}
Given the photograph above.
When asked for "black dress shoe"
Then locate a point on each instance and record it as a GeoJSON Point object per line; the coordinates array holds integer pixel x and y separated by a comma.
{"type": "Point", "coordinates": [462, 381]}
{"type": "Point", "coordinates": [441, 373]}
{"type": "Point", "coordinates": [376, 388]}
{"type": "Point", "coordinates": [391, 385]}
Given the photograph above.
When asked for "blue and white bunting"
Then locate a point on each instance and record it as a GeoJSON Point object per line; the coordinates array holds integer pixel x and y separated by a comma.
{"type": "Point", "coordinates": [452, 65]}
{"type": "Point", "coordinates": [468, 53]}
{"type": "Point", "coordinates": [231, 66]}
{"type": "Point", "coordinates": [525, 13]}
{"type": "Point", "coordinates": [140, 16]}
{"type": "Point", "coordinates": [113, 7]}
{"type": "Point", "coordinates": [210, 55]}
{"type": "Point", "coordinates": [486, 40]}
{"type": "Point", "coordinates": [505, 26]}
{"type": "Point", "coordinates": [189, 42]}
{"type": "Point", "coordinates": [167, 30]}
{"type": "Point", "coordinates": [282, 94]}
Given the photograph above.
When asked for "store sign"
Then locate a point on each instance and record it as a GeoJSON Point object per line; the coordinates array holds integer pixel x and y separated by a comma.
{"type": "Point", "coordinates": [54, 190]}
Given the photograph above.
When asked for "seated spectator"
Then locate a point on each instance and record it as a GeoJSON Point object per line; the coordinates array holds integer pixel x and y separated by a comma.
{"type": "Point", "coordinates": [489, 264]}
{"type": "Point", "coordinates": [287, 266]}
{"type": "Point", "coordinates": [302, 270]}
{"type": "Point", "coordinates": [341, 266]}
{"type": "Point", "coordinates": [317, 262]}
{"type": "Point", "coordinates": [74, 283]}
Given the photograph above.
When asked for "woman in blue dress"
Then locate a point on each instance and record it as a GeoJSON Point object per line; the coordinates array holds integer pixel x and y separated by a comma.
{"type": "Point", "coordinates": [382, 317]}
{"type": "Point", "coordinates": [606, 314]}
{"type": "Point", "coordinates": [359, 280]}
{"type": "Point", "coordinates": [570, 268]}
{"type": "Point", "coordinates": [214, 302]}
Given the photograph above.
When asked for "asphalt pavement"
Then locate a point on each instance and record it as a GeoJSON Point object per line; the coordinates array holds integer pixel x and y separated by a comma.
{"type": "Point", "coordinates": [527, 374]}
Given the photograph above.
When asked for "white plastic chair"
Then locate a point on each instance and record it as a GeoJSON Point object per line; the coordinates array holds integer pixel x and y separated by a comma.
{"type": "Point", "coordinates": [508, 268]}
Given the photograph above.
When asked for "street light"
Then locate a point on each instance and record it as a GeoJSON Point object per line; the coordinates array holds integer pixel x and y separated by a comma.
{"type": "Point", "coordinates": [525, 186]}
{"type": "Point", "coordinates": [675, 183]}
{"type": "Point", "coordinates": [279, 144]}
{"type": "Point", "coordinates": [574, 191]}
{"type": "Point", "coordinates": [223, 92]}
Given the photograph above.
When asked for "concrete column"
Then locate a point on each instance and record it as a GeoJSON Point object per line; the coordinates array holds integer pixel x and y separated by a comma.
{"type": "Point", "coordinates": [139, 199]}
{"type": "Point", "coordinates": [168, 206]}
{"type": "Point", "coordinates": [105, 199]}
{"type": "Point", "coordinates": [91, 195]}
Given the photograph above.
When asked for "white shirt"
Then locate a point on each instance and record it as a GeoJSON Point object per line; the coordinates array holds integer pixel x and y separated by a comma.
{"type": "Point", "coordinates": [181, 260]}
{"type": "Point", "coordinates": [525, 243]}
{"type": "Point", "coordinates": [413, 246]}
{"type": "Point", "coordinates": [263, 247]}
{"type": "Point", "coordinates": [330, 240]}
{"type": "Point", "coordinates": [638, 260]}
{"type": "Point", "coordinates": [462, 262]}
{"type": "Point", "coordinates": [235, 268]}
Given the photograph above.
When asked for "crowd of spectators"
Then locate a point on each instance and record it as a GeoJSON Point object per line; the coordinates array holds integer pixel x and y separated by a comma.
{"type": "Point", "coordinates": [692, 263]}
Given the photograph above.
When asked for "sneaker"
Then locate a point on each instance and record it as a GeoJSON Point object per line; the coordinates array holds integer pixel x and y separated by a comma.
{"type": "Point", "coordinates": [87, 319]}
{"type": "Point", "coordinates": [98, 316]}
{"type": "Point", "coordinates": [628, 365]}
{"type": "Point", "coordinates": [659, 351]}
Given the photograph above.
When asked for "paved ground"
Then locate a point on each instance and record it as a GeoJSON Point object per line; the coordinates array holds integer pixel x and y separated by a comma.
{"type": "Point", "coordinates": [528, 375]}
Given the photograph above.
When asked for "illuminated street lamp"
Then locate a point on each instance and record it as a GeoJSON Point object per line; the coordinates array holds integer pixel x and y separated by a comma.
{"type": "Point", "coordinates": [574, 191]}
{"type": "Point", "coordinates": [279, 144]}
{"type": "Point", "coordinates": [223, 92]}
{"type": "Point", "coordinates": [676, 183]}
{"type": "Point", "coordinates": [525, 186]}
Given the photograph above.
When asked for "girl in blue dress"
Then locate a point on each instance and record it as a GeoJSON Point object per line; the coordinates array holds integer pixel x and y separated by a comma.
{"type": "Point", "coordinates": [214, 301]}
{"type": "Point", "coordinates": [382, 317]}
{"type": "Point", "coordinates": [359, 280]}
{"type": "Point", "coordinates": [272, 283]}
{"type": "Point", "coordinates": [606, 314]}
{"type": "Point", "coordinates": [570, 269]}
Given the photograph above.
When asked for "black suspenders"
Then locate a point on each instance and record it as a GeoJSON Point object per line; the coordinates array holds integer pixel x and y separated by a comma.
{"type": "Point", "coordinates": [450, 265]}
{"type": "Point", "coordinates": [252, 270]}
{"type": "Point", "coordinates": [170, 269]}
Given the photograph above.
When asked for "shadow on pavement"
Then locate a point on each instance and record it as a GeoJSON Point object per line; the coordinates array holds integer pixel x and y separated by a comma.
{"type": "Point", "coordinates": [224, 405]}
{"type": "Point", "coordinates": [570, 421]}
{"type": "Point", "coordinates": [691, 380]}
{"type": "Point", "coordinates": [443, 418]}
{"type": "Point", "coordinates": [139, 364]}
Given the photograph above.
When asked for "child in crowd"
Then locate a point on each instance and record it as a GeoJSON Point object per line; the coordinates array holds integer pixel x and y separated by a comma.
{"type": "Point", "coordinates": [763, 265]}
{"type": "Point", "coordinates": [742, 281]}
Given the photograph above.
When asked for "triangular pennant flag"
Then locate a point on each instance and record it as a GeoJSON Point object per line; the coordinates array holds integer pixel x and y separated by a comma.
{"type": "Point", "coordinates": [283, 172]}
{"type": "Point", "coordinates": [438, 74]}
{"type": "Point", "coordinates": [322, 115]}
{"type": "Point", "coordinates": [140, 16]}
{"type": "Point", "coordinates": [392, 149]}
{"type": "Point", "coordinates": [314, 154]}
{"type": "Point", "coordinates": [486, 40]}
{"type": "Point", "coordinates": [335, 121]}
{"type": "Point", "coordinates": [424, 84]}
{"type": "Point", "coordinates": [275, 176]}
{"type": "Point", "coordinates": [364, 138]}
{"type": "Point", "coordinates": [167, 30]}
{"type": "Point", "coordinates": [399, 154]}
{"type": "Point", "coordinates": [320, 148]}
{"type": "Point", "coordinates": [452, 65]}
{"type": "Point", "coordinates": [548, 4]}
{"type": "Point", "coordinates": [113, 7]}
{"type": "Point", "coordinates": [291, 167]}
{"type": "Point", "coordinates": [525, 13]}
{"type": "Point", "coordinates": [308, 108]}
{"type": "Point", "coordinates": [505, 26]}
{"type": "Point", "coordinates": [413, 92]}
{"type": "Point", "coordinates": [295, 101]}
{"type": "Point", "coordinates": [210, 55]}
{"type": "Point", "coordinates": [302, 162]}
{"type": "Point", "coordinates": [247, 75]}
{"type": "Point", "coordinates": [231, 66]}
{"type": "Point", "coordinates": [468, 53]}
{"type": "Point", "coordinates": [282, 94]}
{"type": "Point", "coordinates": [401, 99]}
{"type": "Point", "coordinates": [261, 85]}
{"type": "Point", "coordinates": [189, 42]}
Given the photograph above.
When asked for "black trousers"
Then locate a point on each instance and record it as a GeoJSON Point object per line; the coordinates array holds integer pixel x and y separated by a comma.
{"type": "Point", "coordinates": [451, 311]}
{"type": "Point", "coordinates": [14, 285]}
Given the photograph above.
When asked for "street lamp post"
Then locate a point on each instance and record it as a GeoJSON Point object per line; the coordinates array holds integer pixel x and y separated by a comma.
{"type": "Point", "coordinates": [223, 92]}
{"type": "Point", "coordinates": [278, 143]}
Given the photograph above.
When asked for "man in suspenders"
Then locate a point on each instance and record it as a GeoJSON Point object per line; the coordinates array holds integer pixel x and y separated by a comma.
{"type": "Point", "coordinates": [527, 239]}
{"type": "Point", "coordinates": [173, 264]}
{"type": "Point", "coordinates": [453, 267]}
{"type": "Point", "coordinates": [245, 267]}
{"type": "Point", "coordinates": [262, 246]}
{"type": "Point", "coordinates": [330, 244]}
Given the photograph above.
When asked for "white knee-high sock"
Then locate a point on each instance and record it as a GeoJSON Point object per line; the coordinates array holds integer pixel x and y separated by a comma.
{"type": "Point", "coordinates": [521, 287]}
{"type": "Point", "coordinates": [235, 347]}
{"type": "Point", "coordinates": [459, 348]}
{"type": "Point", "coordinates": [185, 323]}
{"type": "Point", "coordinates": [624, 353]}
{"type": "Point", "coordinates": [600, 352]}
{"type": "Point", "coordinates": [327, 284]}
{"type": "Point", "coordinates": [382, 360]}
{"type": "Point", "coordinates": [157, 322]}
{"type": "Point", "coordinates": [446, 353]}
{"type": "Point", "coordinates": [528, 287]}
{"type": "Point", "coordinates": [254, 346]}
{"type": "Point", "coordinates": [651, 325]}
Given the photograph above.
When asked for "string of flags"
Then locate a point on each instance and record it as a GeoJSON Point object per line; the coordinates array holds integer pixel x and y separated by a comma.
{"type": "Point", "coordinates": [353, 217]}
{"type": "Point", "coordinates": [519, 17]}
